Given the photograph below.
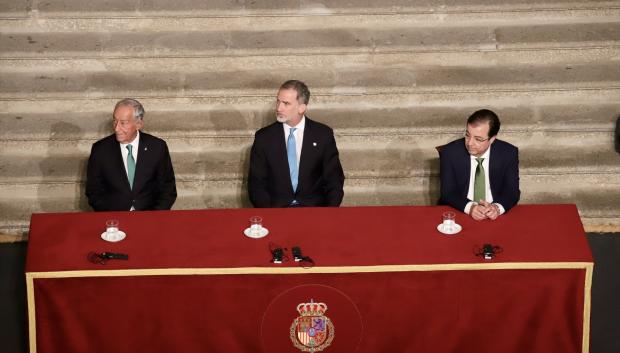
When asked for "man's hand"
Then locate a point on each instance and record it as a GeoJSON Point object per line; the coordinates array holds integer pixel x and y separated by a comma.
{"type": "Point", "coordinates": [478, 212]}
{"type": "Point", "coordinates": [491, 210]}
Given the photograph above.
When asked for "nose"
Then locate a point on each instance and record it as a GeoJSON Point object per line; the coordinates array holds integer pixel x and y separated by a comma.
{"type": "Point", "coordinates": [117, 127]}
{"type": "Point", "coordinates": [278, 106]}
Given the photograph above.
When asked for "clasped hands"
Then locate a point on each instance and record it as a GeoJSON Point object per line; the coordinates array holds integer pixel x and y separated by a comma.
{"type": "Point", "coordinates": [484, 210]}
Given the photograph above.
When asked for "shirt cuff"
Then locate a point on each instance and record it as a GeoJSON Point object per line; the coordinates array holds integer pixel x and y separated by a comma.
{"type": "Point", "coordinates": [500, 207]}
{"type": "Point", "coordinates": [468, 207]}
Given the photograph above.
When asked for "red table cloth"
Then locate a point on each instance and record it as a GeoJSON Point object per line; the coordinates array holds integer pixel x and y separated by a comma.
{"type": "Point", "coordinates": [386, 279]}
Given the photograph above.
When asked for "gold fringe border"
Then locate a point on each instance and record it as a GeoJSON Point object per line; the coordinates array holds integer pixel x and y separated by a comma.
{"type": "Point", "coordinates": [588, 266]}
{"type": "Point", "coordinates": [587, 305]}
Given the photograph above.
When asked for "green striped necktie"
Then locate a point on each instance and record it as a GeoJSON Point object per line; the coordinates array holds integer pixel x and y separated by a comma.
{"type": "Point", "coordinates": [131, 165]}
{"type": "Point", "coordinates": [479, 183]}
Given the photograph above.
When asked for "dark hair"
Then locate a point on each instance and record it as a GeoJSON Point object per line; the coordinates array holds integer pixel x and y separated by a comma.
{"type": "Point", "coordinates": [485, 116]}
{"type": "Point", "coordinates": [303, 93]}
{"type": "Point", "coordinates": [138, 109]}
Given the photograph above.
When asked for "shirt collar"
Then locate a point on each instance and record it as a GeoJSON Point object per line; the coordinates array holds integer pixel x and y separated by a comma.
{"type": "Point", "coordinates": [299, 127]}
{"type": "Point", "coordinates": [135, 143]}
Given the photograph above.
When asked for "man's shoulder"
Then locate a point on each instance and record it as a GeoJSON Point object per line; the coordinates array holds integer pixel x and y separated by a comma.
{"type": "Point", "coordinates": [504, 147]}
{"type": "Point", "coordinates": [148, 138]}
{"type": "Point", "coordinates": [155, 144]}
{"type": "Point", "coordinates": [107, 141]}
{"type": "Point", "coordinates": [456, 146]}
{"type": "Point", "coordinates": [317, 126]}
{"type": "Point", "coordinates": [269, 130]}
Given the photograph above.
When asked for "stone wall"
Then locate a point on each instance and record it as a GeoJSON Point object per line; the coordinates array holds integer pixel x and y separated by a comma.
{"type": "Point", "coordinates": [394, 79]}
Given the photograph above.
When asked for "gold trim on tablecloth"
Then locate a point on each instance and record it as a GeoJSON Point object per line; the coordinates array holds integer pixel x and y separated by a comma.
{"type": "Point", "coordinates": [588, 266]}
{"type": "Point", "coordinates": [32, 328]}
{"type": "Point", "coordinates": [587, 305]}
{"type": "Point", "coordinates": [312, 270]}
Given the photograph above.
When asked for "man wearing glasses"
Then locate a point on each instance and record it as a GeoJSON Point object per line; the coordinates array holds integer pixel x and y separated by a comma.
{"type": "Point", "coordinates": [479, 173]}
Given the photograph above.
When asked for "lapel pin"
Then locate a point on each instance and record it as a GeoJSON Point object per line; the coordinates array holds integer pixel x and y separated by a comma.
{"type": "Point", "coordinates": [145, 148]}
{"type": "Point", "coordinates": [314, 144]}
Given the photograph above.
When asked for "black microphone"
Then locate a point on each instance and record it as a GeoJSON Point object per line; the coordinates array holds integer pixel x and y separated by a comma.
{"type": "Point", "coordinates": [488, 251]}
{"type": "Point", "coordinates": [297, 256]}
{"type": "Point", "coordinates": [115, 256]}
{"type": "Point", "coordinates": [277, 255]}
{"type": "Point", "coordinates": [102, 258]}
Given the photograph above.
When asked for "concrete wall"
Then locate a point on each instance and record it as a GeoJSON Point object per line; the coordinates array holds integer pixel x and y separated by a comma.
{"type": "Point", "coordinates": [394, 79]}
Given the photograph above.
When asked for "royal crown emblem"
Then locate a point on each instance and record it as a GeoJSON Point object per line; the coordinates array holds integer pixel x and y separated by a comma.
{"type": "Point", "coordinates": [312, 331]}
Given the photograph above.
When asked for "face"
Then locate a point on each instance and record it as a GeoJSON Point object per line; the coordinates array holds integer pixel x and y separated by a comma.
{"type": "Point", "coordinates": [477, 139]}
{"type": "Point", "coordinates": [288, 109]}
{"type": "Point", "coordinates": [125, 126]}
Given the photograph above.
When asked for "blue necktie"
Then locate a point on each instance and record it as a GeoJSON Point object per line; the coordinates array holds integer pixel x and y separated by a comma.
{"type": "Point", "coordinates": [131, 166]}
{"type": "Point", "coordinates": [291, 152]}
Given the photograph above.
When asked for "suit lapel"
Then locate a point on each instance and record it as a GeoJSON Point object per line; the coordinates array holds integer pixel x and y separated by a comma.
{"type": "Point", "coordinates": [280, 152]}
{"type": "Point", "coordinates": [466, 168]}
{"type": "Point", "coordinates": [494, 162]}
{"type": "Point", "coordinates": [143, 154]}
{"type": "Point", "coordinates": [117, 159]}
{"type": "Point", "coordinates": [305, 150]}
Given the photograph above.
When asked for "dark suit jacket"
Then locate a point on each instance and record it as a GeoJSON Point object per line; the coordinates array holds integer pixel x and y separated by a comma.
{"type": "Point", "coordinates": [107, 185]}
{"type": "Point", "coordinates": [618, 135]}
{"type": "Point", "coordinates": [455, 167]}
{"type": "Point", "coordinates": [320, 174]}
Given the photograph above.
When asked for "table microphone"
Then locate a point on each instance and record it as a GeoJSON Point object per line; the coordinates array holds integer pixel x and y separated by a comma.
{"type": "Point", "coordinates": [115, 256]}
{"type": "Point", "coordinates": [488, 251]}
{"type": "Point", "coordinates": [102, 258]}
{"type": "Point", "coordinates": [277, 255]}
{"type": "Point", "coordinates": [297, 256]}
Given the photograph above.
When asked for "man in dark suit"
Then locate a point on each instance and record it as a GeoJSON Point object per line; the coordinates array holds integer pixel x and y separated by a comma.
{"type": "Point", "coordinates": [294, 161]}
{"type": "Point", "coordinates": [479, 173]}
{"type": "Point", "coordinates": [130, 170]}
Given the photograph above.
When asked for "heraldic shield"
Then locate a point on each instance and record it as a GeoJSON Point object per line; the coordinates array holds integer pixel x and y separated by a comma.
{"type": "Point", "coordinates": [312, 331]}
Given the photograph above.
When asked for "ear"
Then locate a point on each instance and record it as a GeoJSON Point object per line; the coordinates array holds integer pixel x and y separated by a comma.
{"type": "Point", "coordinates": [139, 124]}
{"type": "Point", "coordinates": [302, 109]}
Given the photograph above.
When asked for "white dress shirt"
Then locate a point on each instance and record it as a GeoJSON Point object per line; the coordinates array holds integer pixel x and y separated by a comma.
{"type": "Point", "coordinates": [487, 184]}
{"type": "Point", "coordinates": [134, 152]}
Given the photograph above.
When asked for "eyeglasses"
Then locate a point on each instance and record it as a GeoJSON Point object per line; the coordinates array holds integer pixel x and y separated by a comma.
{"type": "Point", "coordinates": [478, 139]}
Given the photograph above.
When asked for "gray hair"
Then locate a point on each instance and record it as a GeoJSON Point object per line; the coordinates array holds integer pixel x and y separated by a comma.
{"type": "Point", "coordinates": [303, 93]}
{"type": "Point", "coordinates": [138, 109]}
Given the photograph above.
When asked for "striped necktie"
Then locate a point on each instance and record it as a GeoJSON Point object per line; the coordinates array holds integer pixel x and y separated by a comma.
{"type": "Point", "coordinates": [479, 182]}
{"type": "Point", "coordinates": [131, 165]}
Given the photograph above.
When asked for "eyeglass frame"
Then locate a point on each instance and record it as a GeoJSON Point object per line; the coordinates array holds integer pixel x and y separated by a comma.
{"type": "Point", "coordinates": [476, 138]}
